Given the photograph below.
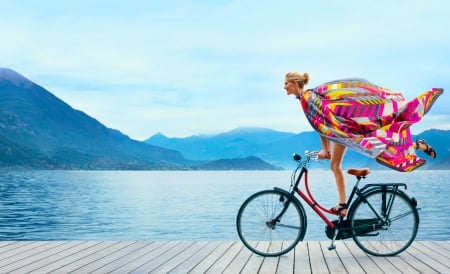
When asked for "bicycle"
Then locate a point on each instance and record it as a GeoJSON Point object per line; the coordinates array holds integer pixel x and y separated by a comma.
{"type": "Point", "coordinates": [381, 218]}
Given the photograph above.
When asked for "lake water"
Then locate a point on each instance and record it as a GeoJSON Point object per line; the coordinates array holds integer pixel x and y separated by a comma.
{"type": "Point", "coordinates": [180, 205]}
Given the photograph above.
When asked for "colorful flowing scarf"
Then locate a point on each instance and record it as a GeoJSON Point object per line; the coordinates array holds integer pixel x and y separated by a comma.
{"type": "Point", "coordinates": [369, 119]}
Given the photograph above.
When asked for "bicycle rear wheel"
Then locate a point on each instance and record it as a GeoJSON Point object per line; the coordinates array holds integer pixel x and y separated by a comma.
{"type": "Point", "coordinates": [261, 232]}
{"type": "Point", "coordinates": [385, 223]}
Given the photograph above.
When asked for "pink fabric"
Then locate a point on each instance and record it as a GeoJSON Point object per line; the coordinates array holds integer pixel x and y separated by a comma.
{"type": "Point", "coordinates": [370, 119]}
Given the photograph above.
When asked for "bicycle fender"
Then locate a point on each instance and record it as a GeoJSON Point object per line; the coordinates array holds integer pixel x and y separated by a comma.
{"type": "Point", "coordinates": [382, 185]}
{"type": "Point", "coordinates": [376, 187]}
{"type": "Point", "coordinates": [294, 199]}
{"type": "Point", "coordinates": [288, 194]}
{"type": "Point", "coordinates": [369, 190]}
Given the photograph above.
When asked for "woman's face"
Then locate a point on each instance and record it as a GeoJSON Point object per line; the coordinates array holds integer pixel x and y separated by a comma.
{"type": "Point", "coordinates": [290, 87]}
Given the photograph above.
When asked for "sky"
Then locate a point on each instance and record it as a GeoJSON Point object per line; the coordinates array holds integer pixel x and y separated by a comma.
{"type": "Point", "coordinates": [185, 68]}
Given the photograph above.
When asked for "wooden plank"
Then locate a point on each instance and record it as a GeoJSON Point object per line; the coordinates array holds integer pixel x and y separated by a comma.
{"type": "Point", "coordinates": [254, 263]}
{"type": "Point", "coordinates": [348, 261]}
{"type": "Point", "coordinates": [385, 264]}
{"type": "Point", "coordinates": [332, 258]}
{"type": "Point", "coordinates": [239, 261]}
{"type": "Point", "coordinates": [18, 249]}
{"type": "Point", "coordinates": [419, 265]}
{"type": "Point", "coordinates": [301, 262]}
{"type": "Point", "coordinates": [395, 262]}
{"type": "Point", "coordinates": [103, 258]}
{"type": "Point", "coordinates": [181, 257]}
{"type": "Point", "coordinates": [52, 256]}
{"type": "Point", "coordinates": [196, 258]}
{"type": "Point", "coordinates": [6, 244]}
{"type": "Point", "coordinates": [212, 257]}
{"type": "Point", "coordinates": [151, 255]}
{"type": "Point", "coordinates": [11, 246]}
{"type": "Point", "coordinates": [361, 258]}
{"type": "Point", "coordinates": [418, 252]}
{"type": "Point", "coordinates": [30, 256]}
{"type": "Point", "coordinates": [83, 259]}
{"type": "Point", "coordinates": [438, 248]}
{"type": "Point", "coordinates": [286, 262]}
{"type": "Point", "coordinates": [318, 263]}
{"type": "Point", "coordinates": [168, 256]}
{"type": "Point", "coordinates": [443, 244]}
{"type": "Point", "coordinates": [225, 259]}
{"type": "Point", "coordinates": [141, 249]}
{"type": "Point", "coordinates": [269, 265]}
{"type": "Point", "coordinates": [433, 252]}
{"type": "Point", "coordinates": [74, 255]}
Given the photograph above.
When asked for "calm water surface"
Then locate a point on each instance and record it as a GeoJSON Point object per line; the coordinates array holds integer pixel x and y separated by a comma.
{"type": "Point", "coordinates": [167, 205]}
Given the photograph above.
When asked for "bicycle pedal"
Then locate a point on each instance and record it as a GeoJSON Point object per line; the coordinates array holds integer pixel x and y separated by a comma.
{"type": "Point", "coordinates": [332, 247]}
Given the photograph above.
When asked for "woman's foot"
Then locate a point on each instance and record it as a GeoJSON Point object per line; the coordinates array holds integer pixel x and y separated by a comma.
{"type": "Point", "coordinates": [340, 209]}
{"type": "Point", "coordinates": [422, 145]}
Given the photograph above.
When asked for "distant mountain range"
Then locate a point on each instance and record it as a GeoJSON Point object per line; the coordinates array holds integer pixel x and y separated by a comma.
{"type": "Point", "coordinates": [277, 147]}
{"type": "Point", "coordinates": [40, 131]}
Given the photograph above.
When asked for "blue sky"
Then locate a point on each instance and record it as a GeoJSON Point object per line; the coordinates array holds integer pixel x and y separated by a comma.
{"type": "Point", "coordinates": [209, 66]}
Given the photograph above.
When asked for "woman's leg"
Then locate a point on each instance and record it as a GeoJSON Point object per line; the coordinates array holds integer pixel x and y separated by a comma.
{"type": "Point", "coordinates": [336, 167]}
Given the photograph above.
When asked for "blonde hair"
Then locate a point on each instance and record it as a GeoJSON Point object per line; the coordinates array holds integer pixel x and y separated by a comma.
{"type": "Point", "coordinates": [299, 78]}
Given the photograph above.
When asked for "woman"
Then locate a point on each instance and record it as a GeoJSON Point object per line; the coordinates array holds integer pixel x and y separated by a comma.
{"type": "Point", "coordinates": [370, 119]}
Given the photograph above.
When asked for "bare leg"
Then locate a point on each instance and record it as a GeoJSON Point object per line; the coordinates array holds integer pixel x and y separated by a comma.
{"type": "Point", "coordinates": [336, 167]}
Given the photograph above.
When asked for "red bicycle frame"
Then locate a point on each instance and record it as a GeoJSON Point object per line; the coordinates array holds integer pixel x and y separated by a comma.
{"type": "Point", "coordinates": [309, 199]}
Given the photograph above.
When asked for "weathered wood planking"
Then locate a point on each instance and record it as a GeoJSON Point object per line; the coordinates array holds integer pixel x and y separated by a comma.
{"type": "Point", "coordinates": [213, 257]}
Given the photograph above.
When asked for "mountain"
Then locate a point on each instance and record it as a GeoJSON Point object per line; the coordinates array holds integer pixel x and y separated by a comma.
{"type": "Point", "coordinates": [248, 163]}
{"type": "Point", "coordinates": [241, 142]}
{"type": "Point", "coordinates": [272, 146]}
{"type": "Point", "coordinates": [38, 130]}
{"type": "Point", "coordinates": [439, 139]}
{"type": "Point", "coordinates": [277, 147]}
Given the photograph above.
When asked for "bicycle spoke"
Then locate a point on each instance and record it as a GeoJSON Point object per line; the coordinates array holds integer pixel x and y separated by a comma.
{"type": "Point", "coordinates": [377, 233]}
{"type": "Point", "coordinates": [256, 223]}
{"type": "Point", "coordinates": [288, 226]}
{"type": "Point", "coordinates": [400, 216]}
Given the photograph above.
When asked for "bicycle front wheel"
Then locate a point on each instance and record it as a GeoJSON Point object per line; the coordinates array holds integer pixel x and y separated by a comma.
{"type": "Point", "coordinates": [384, 222]}
{"type": "Point", "coordinates": [270, 223]}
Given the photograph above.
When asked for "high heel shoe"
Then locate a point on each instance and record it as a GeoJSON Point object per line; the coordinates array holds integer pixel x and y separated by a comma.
{"type": "Point", "coordinates": [340, 209]}
{"type": "Point", "coordinates": [429, 150]}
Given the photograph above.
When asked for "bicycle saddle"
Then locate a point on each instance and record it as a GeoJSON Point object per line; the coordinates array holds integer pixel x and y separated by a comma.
{"type": "Point", "coordinates": [359, 171]}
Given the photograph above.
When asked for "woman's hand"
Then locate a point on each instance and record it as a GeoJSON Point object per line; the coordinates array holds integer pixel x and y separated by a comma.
{"type": "Point", "coordinates": [324, 155]}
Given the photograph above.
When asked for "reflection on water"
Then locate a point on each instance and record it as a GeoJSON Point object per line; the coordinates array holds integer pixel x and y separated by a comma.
{"type": "Point", "coordinates": [183, 205]}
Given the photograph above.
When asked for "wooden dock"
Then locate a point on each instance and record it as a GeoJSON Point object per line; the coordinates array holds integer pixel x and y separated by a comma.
{"type": "Point", "coordinates": [212, 257]}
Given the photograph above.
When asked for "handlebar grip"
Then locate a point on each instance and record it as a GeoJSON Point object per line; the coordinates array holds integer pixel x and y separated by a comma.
{"type": "Point", "coordinates": [296, 157]}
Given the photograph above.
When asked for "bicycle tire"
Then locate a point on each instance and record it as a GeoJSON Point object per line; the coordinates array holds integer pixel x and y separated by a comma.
{"type": "Point", "coordinates": [389, 237]}
{"type": "Point", "coordinates": [264, 238]}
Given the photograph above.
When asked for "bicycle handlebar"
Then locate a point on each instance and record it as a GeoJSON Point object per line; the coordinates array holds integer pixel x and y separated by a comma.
{"type": "Point", "coordinates": [313, 155]}
{"type": "Point", "coordinates": [310, 155]}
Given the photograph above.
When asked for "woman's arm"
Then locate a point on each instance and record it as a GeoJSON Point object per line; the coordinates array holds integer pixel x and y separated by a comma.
{"type": "Point", "coordinates": [326, 148]}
